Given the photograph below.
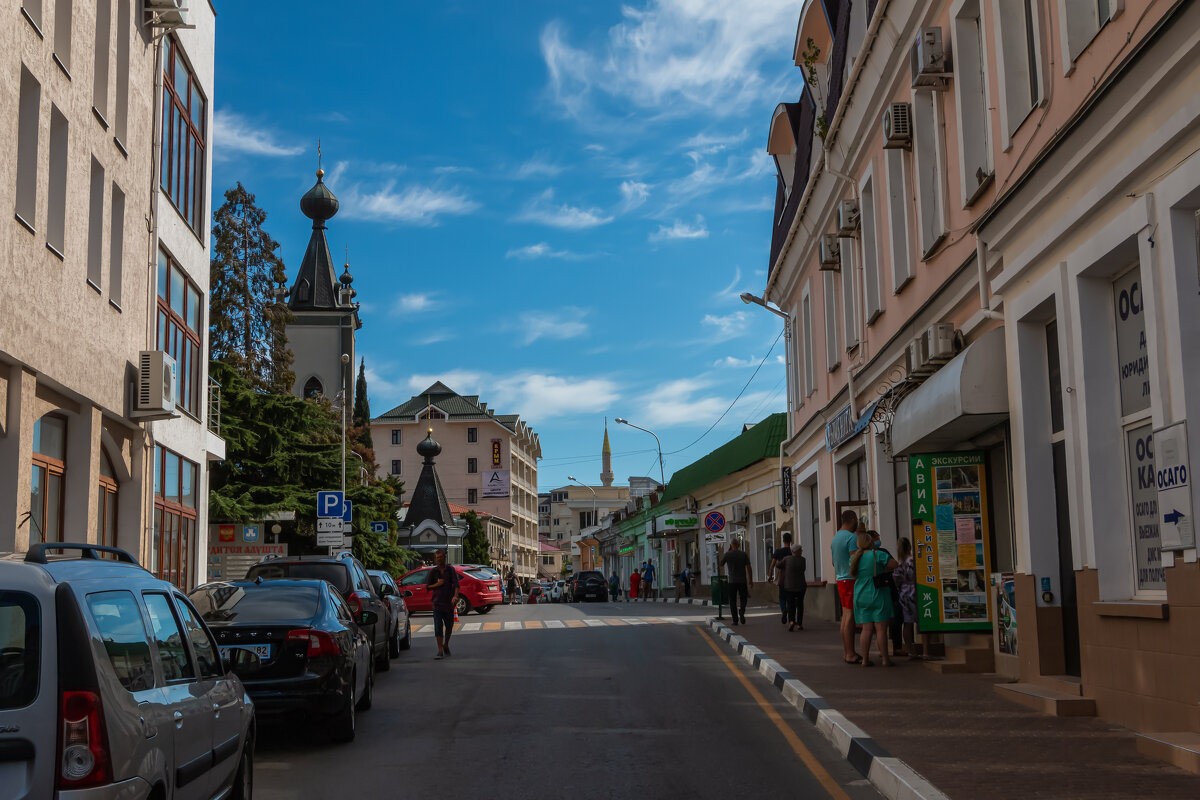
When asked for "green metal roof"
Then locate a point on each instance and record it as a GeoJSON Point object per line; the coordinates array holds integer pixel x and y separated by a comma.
{"type": "Point", "coordinates": [761, 441]}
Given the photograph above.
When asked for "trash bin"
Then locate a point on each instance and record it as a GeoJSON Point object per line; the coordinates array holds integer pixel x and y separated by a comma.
{"type": "Point", "coordinates": [720, 592]}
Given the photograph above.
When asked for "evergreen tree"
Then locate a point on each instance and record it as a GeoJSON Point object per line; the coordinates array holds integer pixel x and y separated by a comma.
{"type": "Point", "coordinates": [475, 543]}
{"type": "Point", "coordinates": [248, 281]}
{"type": "Point", "coordinates": [362, 407]}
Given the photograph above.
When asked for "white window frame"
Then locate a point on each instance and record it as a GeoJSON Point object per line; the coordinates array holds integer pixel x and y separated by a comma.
{"type": "Point", "coordinates": [833, 350]}
{"type": "Point", "coordinates": [971, 97]}
{"type": "Point", "coordinates": [799, 367]}
{"type": "Point", "coordinates": [1015, 62]}
{"type": "Point", "coordinates": [899, 202]}
{"type": "Point", "coordinates": [929, 154]}
{"type": "Point", "coordinates": [762, 528]}
{"type": "Point", "coordinates": [850, 305]}
{"type": "Point", "coordinates": [872, 296]}
{"type": "Point", "coordinates": [1080, 22]}
{"type": "Point", "coordinates": [810, 380]}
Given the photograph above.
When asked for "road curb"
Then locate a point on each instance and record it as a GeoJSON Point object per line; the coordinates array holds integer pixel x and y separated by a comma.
{"type": "Point", "coordinates": [893, 778]}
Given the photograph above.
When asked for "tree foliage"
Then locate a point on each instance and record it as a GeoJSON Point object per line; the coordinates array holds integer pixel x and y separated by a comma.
{"type": "Point", "coordinates": [362, 406]}
{"type": "Point", "coordinates": [279, 452]}
{"type": "Point", "coordinates": [248, 316]}
{"type": "Point", "coordinates": [475, 543]}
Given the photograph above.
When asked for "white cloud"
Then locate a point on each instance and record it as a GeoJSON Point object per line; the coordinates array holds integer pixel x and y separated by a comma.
{"type": "Point", "coordinates": [415, 303]}
{"type": "Point", "coordinates": [463, 381]}
{"type": "Point", "coordinates": [633, 194]}
{"type": "Point", "coordinates": [727, 327]}
{"type": "Point", "coordinates": [543, 210]}
{"type": "Point", "coordinates": [538, 167]}
{"type": "Point", "coordinates": [565, 324]}
{"type": "Point", "coordinates": [733, 362]}
{"type": "Point", "coordinates": [539, 396]}
{"type": "Point", "coordinates": [686, 402]}
{"type": "Point", "coordinates": [233, 133]}
{"type": "Point", "coordinates": [731, 291]}
{"type": "Point", "coordinates": [413, 204]}
{"type": "Point", "coordinates": [708, 143]}
{"type": "Point", "coordinates": [681, 230]}
{"type": "Point", "coordinates": [540, 250]}
{"type": "Point", "coordinates": [675, 55]}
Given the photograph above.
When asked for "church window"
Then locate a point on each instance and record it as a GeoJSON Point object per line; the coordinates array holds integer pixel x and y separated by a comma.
{"type": "Point", "coordinates": [304, 291]}
{"type": "Point", "coordinates": [313, 388]}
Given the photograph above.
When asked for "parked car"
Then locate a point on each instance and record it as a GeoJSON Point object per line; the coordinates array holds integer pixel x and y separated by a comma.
{"type": "Point", "coordinates": [590, 584]}
{"type": "Point", "coordinates": [111, 685]}
{"type": "Point", "coordinates": [537, 594]}
{"type": "Point", "coordinates": [557, 589]}
{"type": "Point", "coordinates": [385, 586]}
{"type": "Point", "coordinates": [478, 589]}
{"type": "Point", "coordinates": [297, 647]}
{"type": "Point", "coordinates": [349, 577]}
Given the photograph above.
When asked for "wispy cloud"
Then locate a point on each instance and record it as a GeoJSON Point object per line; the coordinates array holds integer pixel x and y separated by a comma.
{"type": "Point", "coordinates": [416, 303]}
{"type": "Point", "coordinates": [565, 324]}
{"type": "Point", "coordinates": [540, 250]}
{"type": "Point", "coordinates": [233, 133]}
{"type": "Point", "coordinates": [413, 204]}
{"type": "Point", "coordinates": [463, 381]}
{"type": "Point", "coordinates": [727, 327]}
{"type": "Point", "coordinates": [705, 143]}
{"type": "Point", "coordinates": [688, 402]}
{"type": "Point", "coordinates": [633, 195]}
{"type": "Point", "coordinates": [731, 291]}
{"type": "Point", "coordinates": [681, 230]}
{"type": "Point", "coordinates": [539, 396]}
{"type": "Point", "coordinates": [733, 362]}
{"type": "Point", "coordinates": [538, 167]}
{"type": "Point", "coordinates": [543, 210]}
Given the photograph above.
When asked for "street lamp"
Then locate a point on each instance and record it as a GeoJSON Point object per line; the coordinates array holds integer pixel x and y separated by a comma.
{"type": "Point", "coordinates": [661, 475]}
{"type": "Point", "coordinates": [750, 299]}
{"type": "Point", "coordinates": [593, 491]}
{"type": "Point", "coordinates": [345, 402]}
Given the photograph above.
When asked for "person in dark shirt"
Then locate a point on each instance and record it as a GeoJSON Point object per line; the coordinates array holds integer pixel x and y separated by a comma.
{"type": "Point", "coordinates": [442, 582]}
{"type": "Point", "coordinates": [775, 571]}
{"type": "Point", "coordinates": [741, 579]}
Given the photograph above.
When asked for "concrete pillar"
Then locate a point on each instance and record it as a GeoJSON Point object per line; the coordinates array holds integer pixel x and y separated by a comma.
{"type": "Point", "coordinates": [16, 459]}
{"type": "Point", "coordinates": [81, 503]}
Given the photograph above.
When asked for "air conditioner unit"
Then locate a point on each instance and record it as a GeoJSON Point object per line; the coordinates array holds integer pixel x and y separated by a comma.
{"type": "Point", "coordinates": [157, 383]}
{"type": "Point", "coordinates": [928, 61]}
{"type": "Point", "coordinates": [897, 126]}
{"type": "Point", "coordinates": [689, 502]}
{"type": "Point", "coordinates": [831, 252]}
{"type": "Point", "coordinates": [166, 13]}
{"type": "Point", "coordinates": [849, 218]}
{"type": "Point", "coordinates": [918, 357]}
{"type": "Point", "coordinates": [741, 513]}
{"type": "Point", "coordinates": [940, 342]}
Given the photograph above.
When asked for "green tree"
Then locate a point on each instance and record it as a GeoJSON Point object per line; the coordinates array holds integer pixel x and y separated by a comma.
{"type": "Point", "coordinates": [247, 313]}
{"type": "Point", "coordinates": [475, 543]}
{"type": "Point", "coordinates": [362, 408]}
{"type": "Point", "coordinates": [279, 452]}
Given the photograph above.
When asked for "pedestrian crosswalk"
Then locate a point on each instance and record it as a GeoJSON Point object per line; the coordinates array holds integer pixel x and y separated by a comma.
{"type": "Point", "coordinates": [421, 629]}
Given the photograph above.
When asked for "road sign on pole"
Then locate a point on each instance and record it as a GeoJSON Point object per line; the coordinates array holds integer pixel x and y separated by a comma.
{"type": "Point", "coordinates": [1173, 483]}
{"type": "Point", "coordinates": [329, 525]}
{"type": "Point", "coordinates": [714, 522]}
{"type": "Point", "coordinates": [379, 527]}
{"type": "Point", "coordinates": [716, 538]}
{"type": "Point", "coordinates": [331, 539]}
{"type": "Point", "coordinates": [347, 511]}
{"type": "Point", "coordinates": [330, 504]}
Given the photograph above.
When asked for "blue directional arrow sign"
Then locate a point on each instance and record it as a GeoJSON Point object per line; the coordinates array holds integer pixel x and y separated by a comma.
{"type": "Point", "coordinates": [1173, 518]}
{"type": "Point", "coordinates": [379, 527]}
{"type": "Point", "coordinates": [330, 504]}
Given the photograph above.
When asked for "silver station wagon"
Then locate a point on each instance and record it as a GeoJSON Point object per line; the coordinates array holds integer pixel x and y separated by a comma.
{"type": "Point", "coordinates": [111, 686]}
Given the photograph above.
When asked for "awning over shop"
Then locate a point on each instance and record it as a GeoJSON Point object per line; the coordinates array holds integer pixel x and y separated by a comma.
{"type": "Point", "coordinates": [960, 401]}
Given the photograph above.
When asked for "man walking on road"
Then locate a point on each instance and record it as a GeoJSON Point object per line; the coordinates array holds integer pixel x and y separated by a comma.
{"type": "Point", "coordinates": [844, 543]}
{"type": "Point", "coordinates": [648, 579]}
{"type": "Point", "coordinates": [741, 579]}
{"type": "Point", "coordinates": [443, 590]}
{"type": "Point", "coordinates": [775, 573]}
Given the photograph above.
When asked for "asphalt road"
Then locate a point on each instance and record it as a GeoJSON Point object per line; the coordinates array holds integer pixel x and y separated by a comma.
{"type": "Point", "coordinates": [586, 706]}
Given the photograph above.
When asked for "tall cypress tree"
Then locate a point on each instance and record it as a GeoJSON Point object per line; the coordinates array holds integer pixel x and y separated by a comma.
{"type": "Point", "coordinates": [362, 406]}
{"type": "Point", "coordinates": [247, 315]}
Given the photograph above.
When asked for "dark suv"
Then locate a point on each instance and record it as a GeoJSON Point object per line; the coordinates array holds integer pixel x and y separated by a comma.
{"type": "Point", "coordinates": [589, 585]}
{"type": "Point", "coordinates": [349, 577]}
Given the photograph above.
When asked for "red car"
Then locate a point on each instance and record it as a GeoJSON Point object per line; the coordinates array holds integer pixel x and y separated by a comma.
{"type": "Point", "coordinates": [478, 589]}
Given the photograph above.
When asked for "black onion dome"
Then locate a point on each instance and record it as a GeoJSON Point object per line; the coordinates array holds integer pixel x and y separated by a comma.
{"type": "Point", "coordinates": [346, 278]}
{"type": "Point", "coordinates": [428, 447]}
{"type": "Point", "coordinates": [318, 203]}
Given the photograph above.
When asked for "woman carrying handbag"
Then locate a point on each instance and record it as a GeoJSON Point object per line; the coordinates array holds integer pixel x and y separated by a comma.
{"type": "Point", "coordinates": [871, 569]}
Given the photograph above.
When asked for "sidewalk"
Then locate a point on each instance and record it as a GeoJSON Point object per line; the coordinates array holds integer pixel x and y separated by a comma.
{"type": "Point", "coordinates": [956, 732]}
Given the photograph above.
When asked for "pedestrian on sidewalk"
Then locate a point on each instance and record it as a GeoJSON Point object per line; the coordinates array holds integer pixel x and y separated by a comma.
{"type": "Point", "coordinates": [895, 625]}
{"type": "Point", "coordinates": [794, 585]}
{"type": "Point", "coordinates": [614, 587]}
{"type": "Point", "coordinates": [741, 579]}
{"type": "Point", "coordinates": [685, 580]}
{"type": "Point", "coordinates": [442, 583]}
{"type": "Point", "coordinates": [905, 578]}
{"type": "Point", "coordinates": [844, 543]}
{"type": "Point", "coordinates": [512, 587]}
{"type": "Point", "coordinates": [635, 582]}
{"type": "Point", "coordinates": [648, 580]}
{"type": "Point", "coordinates": [871, 569]}
{"type": "Point", "coordinates": [775, 572]}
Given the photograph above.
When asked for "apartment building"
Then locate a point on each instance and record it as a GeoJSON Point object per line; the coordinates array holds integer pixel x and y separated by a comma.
{"type": "Point", "coordinates": [968, 194]}
{"type": "Point", "coordinates": [105, 268]}
{"type": "Point", "coordinates": [488, 461]}
{"type": "Point", "coordinates": [576, 512]}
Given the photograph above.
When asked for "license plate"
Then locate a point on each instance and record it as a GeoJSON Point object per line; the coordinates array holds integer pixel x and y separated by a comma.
{"type": "Point", "coordinates": [260, 650]}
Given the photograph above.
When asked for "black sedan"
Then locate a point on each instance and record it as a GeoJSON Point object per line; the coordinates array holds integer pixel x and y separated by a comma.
{"type": "Point", "coordinates": [296, 646]}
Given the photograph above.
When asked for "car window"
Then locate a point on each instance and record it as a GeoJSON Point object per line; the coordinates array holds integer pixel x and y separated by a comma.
{"type": "Point", "coordinates": [340, 607]}
{"type": "Point", "coordinates": [123, 632]}
{"type": "Point", "coordinates": [482, 573]}
{"type": "Point", "coordinates": [414, 578]}
{"type": "Point", "coordinates": [376, 583]}
{"type": "Point", "coordinates": [280, 602]}
{"type": "Point", "coordinates": [334, 573]}
{"type": "Point", "coordinates": [172, 653]}
{"type": "Point", "coordinates": [361, 578]}
{"type": "Point", "coordinates": [20, 649]}
{"type": "Point", "coordinates": [202, 644]}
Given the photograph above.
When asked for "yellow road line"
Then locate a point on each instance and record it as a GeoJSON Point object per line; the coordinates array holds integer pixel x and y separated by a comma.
{"type": "Point", "coordinates": [576, 623]}
{"type": "Point", "coordinates": [810, 761]}
{"type": "Point", "coordinates": [533, 624]}
{"type": "Point", "coordinates": [492, 626]}
{"type": "Point", "coordinates": [416, 628]}
{"type": "Point", "coordinates": [457, 627]}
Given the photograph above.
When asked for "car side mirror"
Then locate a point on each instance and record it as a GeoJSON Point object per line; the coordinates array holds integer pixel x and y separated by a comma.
{"type": "Point", "coordinates": [385, 590]}
{"type": "Point", "coordinates": [406, 593]}
{"type": "Point", "coordinates": [227, 661]}
{"type": "Point", "coordinates": [367, 618]}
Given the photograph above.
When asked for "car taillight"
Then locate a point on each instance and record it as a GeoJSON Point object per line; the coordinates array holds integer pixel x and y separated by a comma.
{"type": "Point", "coordinates": [83, 749]}
{"type": "Point", "coordinates": [356, 604]}
{"type": "Point", "coordinates": [318, 643]}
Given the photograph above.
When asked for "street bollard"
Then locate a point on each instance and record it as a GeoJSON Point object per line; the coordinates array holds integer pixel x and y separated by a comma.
{"type": "Point", "coordinates": [719, 592]}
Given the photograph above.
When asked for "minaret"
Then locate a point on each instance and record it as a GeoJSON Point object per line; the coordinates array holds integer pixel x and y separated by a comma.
{"type": "Point", "coordinates": [606, 474]}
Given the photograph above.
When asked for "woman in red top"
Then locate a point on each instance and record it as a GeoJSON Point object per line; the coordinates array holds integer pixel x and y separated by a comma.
{"type": "Point", "coordinates": [635, 580]}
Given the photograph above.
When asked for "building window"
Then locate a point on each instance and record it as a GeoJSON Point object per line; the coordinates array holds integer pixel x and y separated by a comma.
{"type": "Point", "coordinates": [833, 356]}
{"type": "Point", "coordinates": [28, 124]}
{"type": "Point", "coordinates": [856, 479]}
{"type": "Point", "coordinates": [46, 484]}
{"type": "Point", "coordinates": [313, 388]}
{"type": "Point", "coordinates": [764, 540]}
{"type": "Point", "coordinates": [179, 321]}
{"type": "Point", "coordinates": [849, 292]}
{"type": "Point", "coordinates": [472, 434]}
{"type": "Point", "coordinates": [472, 496]}
{"type": "Point", "coordinates": [472, 465]}
{"type": "Point", "coordinates": [810, 381]}
{"type": "Point", "coordinates": [183, 138]}
{"type": "Point", "coordinates": [121, 104]}
{"type": "Point", "coordinates": [116, 253]}
{"type": "Point", "coordinates": [32, 9]}
{"type": "Point", "coordinates": [814, 522]}
{"type": "Point", "coordinates": [62, 34]}
{"type": "Point", "coordinates": [103, 49]}
{"type": "Point", "coordinates": [1017, 38]}
{"type": "Point", "coordinates": [395, 436]}
{"type": "Point", "coordinates": [898, 203]}
{"type": "Point", "coordinates": [56, 190]}
{"type": "Point", "coordinates": [870, 252]}
{"type": "Point", "coordinates": [1082, 20]}
{"type": "Point", "coordinates": [106, 508]}
{"type": "Point", "coordinates": [95, 254]}
{"type": "Point", "coordinates": [395, 466]}
{"type": "Point", "coordinates": [970, 94]}
{"type": "Point", "coordinates": [930, 170]}
{"type": "Point", "coordinates": [174, 521]}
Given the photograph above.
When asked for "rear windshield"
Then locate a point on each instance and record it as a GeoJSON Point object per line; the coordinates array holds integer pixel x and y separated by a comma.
{"type": "Point", "coordinates": [337, 574]}
{"type": "Point", "coordinates": [20, 640]}
{"type": "Point", "coordinates": [587, 576]}
{"type": "Point", "coordinates": [482, 573]}
{"type": "Point", "coordinates": [269, 602]}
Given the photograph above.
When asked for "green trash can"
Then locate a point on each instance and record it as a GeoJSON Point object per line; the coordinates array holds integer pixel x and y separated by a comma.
{"type": "Point", "coordinates": [720, 592]}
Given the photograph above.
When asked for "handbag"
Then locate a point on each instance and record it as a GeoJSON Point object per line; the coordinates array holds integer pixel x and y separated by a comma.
{"type": "Point", "coordinates": [880, 581]}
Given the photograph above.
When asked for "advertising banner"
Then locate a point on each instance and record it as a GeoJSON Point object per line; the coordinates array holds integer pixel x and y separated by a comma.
{"type": "Point", "coordinates": [495, 483]}
{"type": "Point", "coordinates": [1006, 612]}
{"type": "Point", "coordinates": [951, 541]}
{"type": "Point", "coordinates": [496, 451]}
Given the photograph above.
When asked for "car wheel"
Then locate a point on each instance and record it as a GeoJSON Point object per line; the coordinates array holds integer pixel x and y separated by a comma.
{"type": "Point", "coordinates": [243, 782]}
{"type": "Point", "coordinates": [406, 642]}
{"type": "Point", "coordinates": [368, 696]}
{"type": "Point", "coordinates": [463, 607]}
{"type": "Point", "coordinates": [394, 644]}
{"type": "Point", "coordinates": [382, 662]}
{"type": "Point", "coordinates": [343, 725]}
{"type": "Point", "coordinates": [484, 609]}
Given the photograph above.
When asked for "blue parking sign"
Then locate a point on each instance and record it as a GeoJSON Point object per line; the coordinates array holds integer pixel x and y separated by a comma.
{"type": "Point", "coordinates": [379, 527]}
{"type": "Point", "coordinates": [347, 512]}
{"type": "Point", "coordinates": [330, 504]}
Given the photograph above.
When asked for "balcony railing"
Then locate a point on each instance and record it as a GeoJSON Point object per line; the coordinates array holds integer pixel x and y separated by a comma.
{"type": "Point", "coordinates": [214, 406]}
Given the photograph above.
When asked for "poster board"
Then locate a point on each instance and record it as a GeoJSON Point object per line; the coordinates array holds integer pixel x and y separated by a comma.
{"type": "Point", "coordinates": [951, 541]}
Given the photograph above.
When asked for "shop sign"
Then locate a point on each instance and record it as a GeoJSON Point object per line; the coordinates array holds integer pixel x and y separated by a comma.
{"type": "Point", "coordinates": [1140, 444]}
{"type": "Point", "coordinates": [1171, 476]}
{"type": "Point", "coordinates": [676, 522]}
{"type": "Point", "coordinates": [1133, 362]}
{"type": "Point", "coordinates": [495, 453]}
{"type": "Point", "coordinates": [844, 427]}
{"type": "Point", "coordinates": [785, 487]}
{"type": "Point", "coordinates": [952, 541]}
{"type": "Point", "coordinates": [231, 562]}
{"type": "Point", "coordinates": [1006, 612]}
{"type": "Point", "coordinates": [626, 549]}
{"type": "Point", "coordinates": [495, 483]}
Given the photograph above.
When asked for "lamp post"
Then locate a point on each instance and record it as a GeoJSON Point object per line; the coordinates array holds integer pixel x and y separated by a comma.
{"type": "Point", "coordinates": [345, 402]}
{"type": "Point", "coordinates": [750, 299]}
{"type": "Point", "coordinates": [573, 479]}
{"type": "Point", "coordinates": [661, 475]}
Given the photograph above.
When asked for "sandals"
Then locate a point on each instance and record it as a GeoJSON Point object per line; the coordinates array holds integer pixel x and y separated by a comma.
{"type": "Point", "coordinates": [856, 660]}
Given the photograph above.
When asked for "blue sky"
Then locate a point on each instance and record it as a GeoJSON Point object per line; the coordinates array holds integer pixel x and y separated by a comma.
{"type": "Point", "coordinates": [552, 205]}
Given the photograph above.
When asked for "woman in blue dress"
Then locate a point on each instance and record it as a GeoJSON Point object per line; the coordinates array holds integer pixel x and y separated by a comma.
{"type": "Point", "coordinates": [872, 604]}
